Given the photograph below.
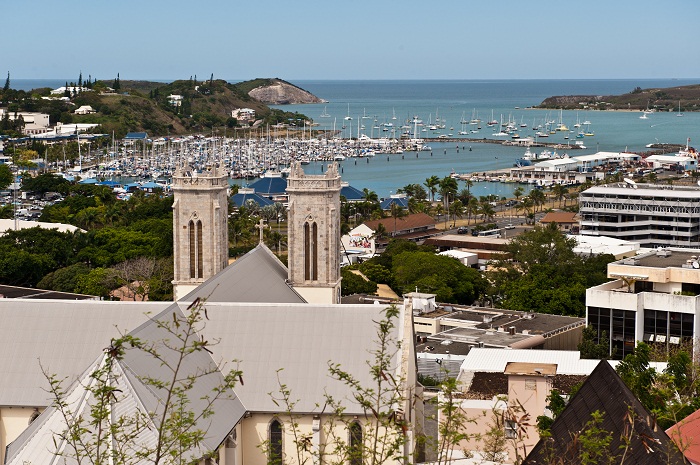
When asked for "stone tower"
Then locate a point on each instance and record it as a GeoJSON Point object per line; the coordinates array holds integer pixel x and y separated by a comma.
{"type": "Point", "coordinates": [314, 234]}
{"type": "Point", "coordinates": [200, 227]}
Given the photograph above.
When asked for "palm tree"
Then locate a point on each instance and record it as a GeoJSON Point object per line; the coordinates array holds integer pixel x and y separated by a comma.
{"type": "Point", "coordinates": [538, 198]}
{"type": "Point", "coordinates": [456, 209]}
{"type": "Point", "coordinates": [560, 192]}
{"type": "Point", "coordinates": [518, 192]}
{"type": "Point", "coordinates": [472, 208]}
{"type": "Point", "coordinates": [431, 183]}
{"type": "Point", "coordinates": [526, 205]}
{"type": "Point", "coordinates": [397, 211]}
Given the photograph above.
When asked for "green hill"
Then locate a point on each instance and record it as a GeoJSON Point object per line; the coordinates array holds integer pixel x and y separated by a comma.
{"type": "Point", "coordinates": [659, 99]}
{"type": "Point", "coordinates": [146, 106]}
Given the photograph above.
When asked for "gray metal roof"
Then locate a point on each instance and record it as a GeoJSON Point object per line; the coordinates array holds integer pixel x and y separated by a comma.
{"type": "Point", "coordinates": [301, 339]}
{"type": "Point", "coordinates": [63, 336]}
{"type": "Point", "coordinates": [258, 276]}
{"type": "Point", "coordinates": [34, 445]}
{"type": "Point", "coordinates": [66, 337]}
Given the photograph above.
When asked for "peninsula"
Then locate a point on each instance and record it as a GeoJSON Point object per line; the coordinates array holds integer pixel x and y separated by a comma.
{"type": "Point", "coordinates": [681, 99]}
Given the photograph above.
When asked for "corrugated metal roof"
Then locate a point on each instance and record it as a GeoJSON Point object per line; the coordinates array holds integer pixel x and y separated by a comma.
{"type": "Point", "coordinates": [300, 339]}
{"type": "Point", "coordinates": [36, 445]}
{"type": "Point", "coordinates": [568, 362]}
{"type": "Point", "coordinates": [64, 336]}
{"type": "Point", "coordinates": [258, 276]}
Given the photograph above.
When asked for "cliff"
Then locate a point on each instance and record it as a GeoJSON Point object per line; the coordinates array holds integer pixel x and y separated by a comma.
{"type": "Point", "coordinates": [277, 92]}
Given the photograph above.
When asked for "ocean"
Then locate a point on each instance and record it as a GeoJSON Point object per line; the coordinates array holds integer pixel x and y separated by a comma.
{"type": "Point", "coordinates": [454, 101]}
{"type": "Point", "coordinates": [375, 104]}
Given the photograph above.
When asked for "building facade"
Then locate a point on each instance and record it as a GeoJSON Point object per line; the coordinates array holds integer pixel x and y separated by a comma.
{"type": "Point", "coordinates": [314, 234]}
{"type": "Point", "coordinates": [200, 231]}
{"type": "Point", "coordinates": [652, 215]}
{"type": "Point", "coordinates": [654, 298]}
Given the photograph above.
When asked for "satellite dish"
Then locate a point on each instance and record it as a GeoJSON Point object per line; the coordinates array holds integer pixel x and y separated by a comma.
{"type": "Point", "coordinates": [629, 181]}
{"type": "Point", "coordinates": [696, 265]}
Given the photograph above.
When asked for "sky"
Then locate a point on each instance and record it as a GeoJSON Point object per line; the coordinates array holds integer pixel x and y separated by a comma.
{"type": "Point", "coordinates": [356, 39]}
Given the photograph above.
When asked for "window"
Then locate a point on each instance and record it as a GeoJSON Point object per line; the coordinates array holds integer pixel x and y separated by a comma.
{"type": "Point", "coordinates": [275, 450]}
{"type": "Point", "coordinates": [195, 243]}
{"type": "Point", "coordinates": [511, 429]}
{"type": "Point", "coordinates": [311, 252]}
{"type": "Point", "coordinates": [355, 443]}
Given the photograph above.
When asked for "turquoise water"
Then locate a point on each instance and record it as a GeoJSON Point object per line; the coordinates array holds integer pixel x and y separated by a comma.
{"type": "Point", "coordinates": [454, 100]}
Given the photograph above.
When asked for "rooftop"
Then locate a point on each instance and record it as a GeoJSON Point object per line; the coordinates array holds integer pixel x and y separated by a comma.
{"type": "Point", "coordinates": [664, 258]}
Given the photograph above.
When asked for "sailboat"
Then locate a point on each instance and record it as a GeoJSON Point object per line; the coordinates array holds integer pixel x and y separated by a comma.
{"type": "Point", "coordinates": [679, 114]}
{"type": "Point", "coordinates": [348, 118]}
{"type": "Point", "coordinates": [325, 113]}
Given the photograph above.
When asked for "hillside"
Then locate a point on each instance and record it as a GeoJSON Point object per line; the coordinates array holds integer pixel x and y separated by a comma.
{"type": "Point", "coordinates": [146, 106]}
{"type": "Point", "coordinates": [277, 92]}
{"type": "Point", "coordinates": [659, 99]}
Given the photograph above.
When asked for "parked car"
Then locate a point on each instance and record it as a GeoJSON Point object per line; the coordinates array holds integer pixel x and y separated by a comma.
{"type": "Point", "coordinates": [462, 230]}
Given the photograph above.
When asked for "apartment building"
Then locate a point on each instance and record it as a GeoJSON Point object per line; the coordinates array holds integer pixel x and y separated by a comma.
{"type": "Point", "coordinates": [655, 298]}
{"type": "Point", "coordinates": [652, 215]}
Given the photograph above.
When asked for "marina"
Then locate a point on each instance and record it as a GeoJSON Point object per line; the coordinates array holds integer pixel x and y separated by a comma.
{"type": "Point", "coordinates": [401, 132]}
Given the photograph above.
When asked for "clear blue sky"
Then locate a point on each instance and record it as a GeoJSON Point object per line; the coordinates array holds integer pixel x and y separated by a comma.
{"type": "Point", "coordinates": [355, 39]}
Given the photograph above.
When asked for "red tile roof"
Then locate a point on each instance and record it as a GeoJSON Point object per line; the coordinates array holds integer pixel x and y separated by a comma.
{"type": "Point", "coordinates": [686, 435]}
{"type": "Point", "coordinates": [412, 221]}
{"type": "Point", "coordinates": [559, 217]}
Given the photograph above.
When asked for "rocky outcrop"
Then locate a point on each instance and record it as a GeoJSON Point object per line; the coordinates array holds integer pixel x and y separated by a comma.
{"type": "Point", "coordinates": [282, 93]}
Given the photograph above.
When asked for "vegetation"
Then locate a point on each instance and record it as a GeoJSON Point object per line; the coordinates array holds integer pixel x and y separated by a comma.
{"type": "Point", "coordinates": [670, 395]}
{"type": "Point", "coordinates": [542, 273]}
{"type": "Point", "coordinates": [122, 106]}
{"type": "Point", "coordinates": [638, 99]}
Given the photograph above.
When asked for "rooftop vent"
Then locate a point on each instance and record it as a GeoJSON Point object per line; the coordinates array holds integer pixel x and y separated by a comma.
{"type": "Point", "coordinates": [663, 252]}
{"type": "Point", "coordinates": [511, 330]}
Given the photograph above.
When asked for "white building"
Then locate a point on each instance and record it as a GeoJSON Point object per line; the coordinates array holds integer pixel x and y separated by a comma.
{"type": "Point", "coordinates": [72, 89]}
{"type": "Point", "coordinates": [687, 163]}
{"type": "Point", "coordinates": [653, 215]}
{"type": "Point", "coordinates": [85, 110]}
{"type": "Point", "coordinates": [34, 122]}
{"type": "Point", "coordinates": [175, 100]}
{"type": "Point", "coordinates": [655, 298]}
{"type": "Point", "coordinates": [243, 114]}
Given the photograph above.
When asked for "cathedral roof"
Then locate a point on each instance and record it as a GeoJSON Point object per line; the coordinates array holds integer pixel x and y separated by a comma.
{"type": "Point", "coordinates": [136, 395]}
{"type": "Point", "coordinates": [257, 276]}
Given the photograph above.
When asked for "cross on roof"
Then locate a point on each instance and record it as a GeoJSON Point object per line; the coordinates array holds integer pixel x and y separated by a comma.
{"type": "Point", "coordinates": [261, 226]}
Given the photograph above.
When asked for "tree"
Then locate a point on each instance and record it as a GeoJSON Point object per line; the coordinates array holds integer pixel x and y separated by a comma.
{"type": "Point", "coordinates": [6, 87]}
{"type": "Point", "coordinates": [431, 183]}
{"type": "Point", "coordinates": [355, 284]}
{"type": "Point", "coordinates": [544, 274]}
{"type": "Point", "coordinates": [452, 420]}
{"type": "Point", "coordinates": [591, 349]}
{"type": "Point", "coordinates": [6, 176]}
{"type": "Point", "coordinates": [106, 433]}
{"type": "Point", "coordinates": [397, 211]}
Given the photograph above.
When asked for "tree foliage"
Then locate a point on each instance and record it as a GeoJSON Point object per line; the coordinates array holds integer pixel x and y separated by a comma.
{"type": "Point", "coordinates": [543, 274]}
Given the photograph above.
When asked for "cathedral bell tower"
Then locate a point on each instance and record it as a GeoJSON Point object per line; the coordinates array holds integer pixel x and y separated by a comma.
{"type": "Point", "coordinates": [200, 226]}
{"type": "Point", "coordinates": [314, 234]}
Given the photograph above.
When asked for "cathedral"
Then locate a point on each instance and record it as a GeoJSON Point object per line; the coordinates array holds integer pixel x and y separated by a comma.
{"type": "Point", "coordinates": [283, 326]}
